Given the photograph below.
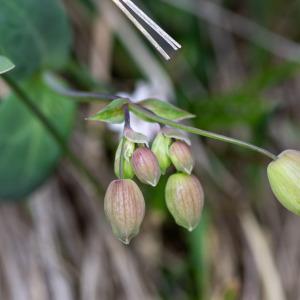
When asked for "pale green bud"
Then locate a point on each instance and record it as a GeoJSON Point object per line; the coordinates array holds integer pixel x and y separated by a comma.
{"type": "Point", "coordinates": [284, 177]}
{"type": "Point", "coordinates": [127, 154]}
{"type": "Point", "coordinates": [181, 157]}
{"type": "Point", "coordinates": [145, 166]}
{"type": "Point", "coordinates": [185, 198]}
{"type": "Point", "coordinates": [124, 207]}
{"type": "Point", "coordinates": [160, 147]}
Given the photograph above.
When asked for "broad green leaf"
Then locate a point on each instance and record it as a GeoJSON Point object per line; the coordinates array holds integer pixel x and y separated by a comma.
{"type": "Point", "coordinates": [165, 110]}
{"type": "Point", "coordinates": [28, 155]}
{"type": "Point", "coordinates": [5, 64]}
{"type": "Point", "coordinates": [34, 34]}
{"type": "Point", "coordinates": [111, 113]}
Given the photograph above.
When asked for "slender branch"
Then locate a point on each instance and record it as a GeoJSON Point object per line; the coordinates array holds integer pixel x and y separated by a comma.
{"type": "Point", "coordinates": [95, 96]}
{"type": "Point", "coordinates": [27, 101]}
{"type": "Point", "coordinates": [126, 117]}
{"type": "Point", "coordinates": [139, 110]}
{"type": "Point", "coordinates": [121, 160]}
{"type": "Point", "coordinates": [126, 125]}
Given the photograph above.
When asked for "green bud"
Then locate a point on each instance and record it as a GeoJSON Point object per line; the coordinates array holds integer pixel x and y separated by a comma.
{"type": "Point", "coordinates": [185, 198]}
{"type": "Point", "coordinates": [145, 166]}
{"type": "Point", "coordinates": [127, 154]}
{"type": "Point", "coordinates": [284, 177]}
{"type": "Point", "coordinates": [124, 207]}
{"type": "Point", "coordinates": [160, 147]}
{"type": "Point", "coordinates": [181, 157]}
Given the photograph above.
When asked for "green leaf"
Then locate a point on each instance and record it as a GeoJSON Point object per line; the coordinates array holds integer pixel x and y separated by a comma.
{"type": "Point", "coordinates": [111, 113]}
{"type": "Point", "coordinates": [34, 35]}
{"type": "Point", "coordinates": [166, 110]}
{"type": "Point", "coordinates": [28, 153]}
{"type": "Point", "coordinates": [5, 64]}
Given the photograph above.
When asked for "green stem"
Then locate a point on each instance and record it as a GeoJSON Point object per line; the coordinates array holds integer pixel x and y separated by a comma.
{"type": "Point", "coordinates": [126, 125]}
{"type": "Point", "coordinates": [121, 161]}
{"type": "Point", "coordinates": [139, 110]}
{"type": "Point", "coordinates": [27, 101]}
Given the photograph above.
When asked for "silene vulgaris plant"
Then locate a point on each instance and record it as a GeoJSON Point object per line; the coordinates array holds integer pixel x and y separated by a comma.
{"type": "Point", "coordinates": [124, 203]}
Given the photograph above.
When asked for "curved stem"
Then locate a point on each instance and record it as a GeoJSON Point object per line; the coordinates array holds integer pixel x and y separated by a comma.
{"type": "Point", "coordinates": [139, 110]}
{"type": "Point", "coordinates": [121, 160]}
{"type": "Point", "coordinates": [126, 125]}
{"type": "Point", "coordinates": [29, 103]}
{"type": "Point", "coordinates": [93, 96]}
{"type": "Point", "coordinates": [126, 116]}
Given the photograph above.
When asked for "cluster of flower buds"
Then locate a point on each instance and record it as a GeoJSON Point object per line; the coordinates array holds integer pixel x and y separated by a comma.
{"type": "Point", "coordinates": [124, 202]}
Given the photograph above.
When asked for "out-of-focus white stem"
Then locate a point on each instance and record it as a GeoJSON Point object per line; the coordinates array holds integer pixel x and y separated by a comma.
{"type": "Point", "coordinates": [175, 45]}
{"type": "Point", "coordinates": [166, 37]}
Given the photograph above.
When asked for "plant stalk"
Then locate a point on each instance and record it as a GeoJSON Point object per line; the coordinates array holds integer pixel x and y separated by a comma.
{"type": "Point", "coordinates": [139, 110]}
{"type": "Point", "coordinates": [126, 125]}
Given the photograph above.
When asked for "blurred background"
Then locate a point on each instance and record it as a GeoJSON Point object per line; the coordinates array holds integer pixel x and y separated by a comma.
{"type": "Point", "coordinates": [238, 71]}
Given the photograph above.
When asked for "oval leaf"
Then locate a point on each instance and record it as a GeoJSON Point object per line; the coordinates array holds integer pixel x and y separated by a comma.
{"type": "Point", "coordinates": [28, 153]}
{"type": "Point", "coordinates": [165, 110]}
{"type": "Point", "coordinates": [111, 113]}
{"type": "Point", "coordinates": [5, 64]}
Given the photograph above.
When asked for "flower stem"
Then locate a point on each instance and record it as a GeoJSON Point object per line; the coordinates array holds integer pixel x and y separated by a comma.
{"type": "Point", "coordinates": [29, 103]}
{"type": "Point", "coordinates": [126, 125]}
{"type": "Point", "coordinates": [139, 110]}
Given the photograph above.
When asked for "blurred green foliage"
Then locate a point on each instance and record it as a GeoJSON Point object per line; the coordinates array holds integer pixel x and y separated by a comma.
{"type": "Point", "coordinates": [5, 64]}
{"type": "Point", "coordinates": [34, 35]}
{"type": "Point", "coordinates": [28, 153]}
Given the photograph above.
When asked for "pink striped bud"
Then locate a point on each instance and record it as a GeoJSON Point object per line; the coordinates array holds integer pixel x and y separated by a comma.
{"type": "Point", "coordinates": [124, 207]}
{"type": "Point", "coordinates": [185, 198]}
{"type": "Point", "coordinates": [145, 166]}
{"type": "Point", "coordinates": [181, 157]}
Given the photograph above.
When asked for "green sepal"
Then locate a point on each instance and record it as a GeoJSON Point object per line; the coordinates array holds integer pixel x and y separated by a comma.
{"type": "Point", "coordinates": [165, 110]}
{"type": "Point", "coordinates": [111, 113]}
{"type": "Point", "coordinates": [160, 147]}
{"type": "Point", "coordinates": [129, 147]}
{"type": "Point", "coordinates": [5, 64]}
{"type": "Point", "coordinates": [136, 137]}
{"type": "Point", "coordinates": [176, 134]}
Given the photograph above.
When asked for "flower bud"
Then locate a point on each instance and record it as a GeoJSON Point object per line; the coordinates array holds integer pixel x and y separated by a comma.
{"type": "Point", "coordinates": [127, 153]}
{"type": "Point", "coordinates": [185, 198]}
{"type": "Point", "coordinates": [160, 147]}
{"type": "Point", "coordinates": [284, 177]}
{"type": "Point", "coordinates": [181, 157]}
{"type": "Point", "coordinates": [124, 207]}
{"type": "Point", "coordinates": [145, 166]}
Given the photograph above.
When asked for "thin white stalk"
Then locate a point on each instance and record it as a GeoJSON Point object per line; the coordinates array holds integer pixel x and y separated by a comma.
{"type": "Point", "coordinates": [174, 44]}
{"type": "Point", "coordinates": [151, 23]}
